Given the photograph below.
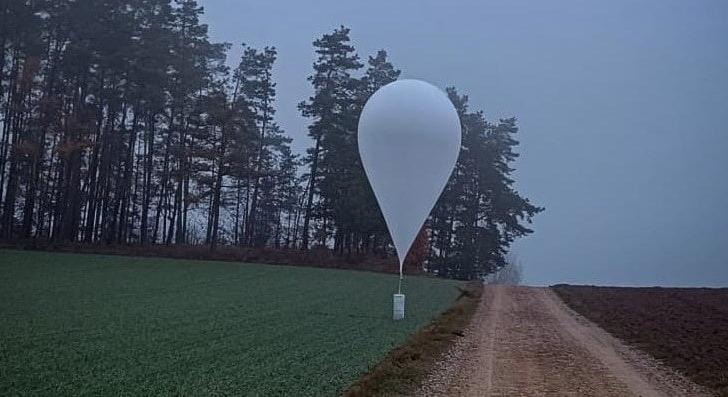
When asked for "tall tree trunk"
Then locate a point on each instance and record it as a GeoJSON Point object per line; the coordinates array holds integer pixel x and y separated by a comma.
{"type": "Point", "coordinates": [217, 192]}
{"type": "Point", "coordinates": [147, 179]}
{"type": "Point", "coordinates": [126, 188]}
{"type": "Point", "coordinates": [309, 200]}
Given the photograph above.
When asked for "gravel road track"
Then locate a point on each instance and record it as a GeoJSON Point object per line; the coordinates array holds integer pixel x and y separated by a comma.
{"type": "Point", "coordinates": [524, 341]}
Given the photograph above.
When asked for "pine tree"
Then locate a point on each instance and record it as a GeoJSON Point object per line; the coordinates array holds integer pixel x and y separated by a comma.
{"type": "Point", "coordinates": [330, 109]}
{"type": "Point", "coordinates": [359, 223]}
{"type": "Point", "coordinates": [255, 74]}
{"type": "Point", "coordinates": [197, 64]}
{"type": "Point", "coordinates": [479, 214]}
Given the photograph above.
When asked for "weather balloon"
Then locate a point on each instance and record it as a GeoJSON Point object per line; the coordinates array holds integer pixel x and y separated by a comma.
{"type": "Point", "coordinates": [409, 140]}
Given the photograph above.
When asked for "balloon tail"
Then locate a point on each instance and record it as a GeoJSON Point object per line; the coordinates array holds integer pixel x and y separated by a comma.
{"type": "Point", "coordinates": [399, 288]}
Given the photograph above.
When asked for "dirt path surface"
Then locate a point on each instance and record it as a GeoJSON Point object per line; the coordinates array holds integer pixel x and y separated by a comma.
{"type": "Point", "coordinates": [524, 341]}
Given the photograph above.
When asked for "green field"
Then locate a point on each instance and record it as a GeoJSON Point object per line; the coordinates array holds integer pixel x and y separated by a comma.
{"type": "Point", "coordinates": [108, 325]}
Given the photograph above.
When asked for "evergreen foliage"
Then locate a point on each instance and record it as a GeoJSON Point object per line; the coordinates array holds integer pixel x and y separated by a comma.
{"type": "Point", "coordinates": [122, 123]}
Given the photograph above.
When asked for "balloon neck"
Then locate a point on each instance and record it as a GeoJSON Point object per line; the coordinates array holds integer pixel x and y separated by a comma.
{"type": "Point", "coordinates": [401, 265]}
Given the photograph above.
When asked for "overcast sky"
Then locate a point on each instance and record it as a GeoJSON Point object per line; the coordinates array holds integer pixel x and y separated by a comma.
{"type": "Point", "coordinates": [623, 109]}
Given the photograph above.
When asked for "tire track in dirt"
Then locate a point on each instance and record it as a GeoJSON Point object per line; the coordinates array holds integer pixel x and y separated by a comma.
{"type": "Point", "coordinates": [525, 341]}
{"type": "Point", "coordinates": [487, 339]}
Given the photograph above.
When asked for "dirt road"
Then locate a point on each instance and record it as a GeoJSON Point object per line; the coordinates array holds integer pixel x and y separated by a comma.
{"type": "Point", "coordinates": [524, 341]}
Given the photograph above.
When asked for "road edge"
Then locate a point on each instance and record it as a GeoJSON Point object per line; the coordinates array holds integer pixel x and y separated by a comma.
{"type": "Point", "coordinates": [404, 368]}
{"type": "Point", "coordinates": [659, 376]}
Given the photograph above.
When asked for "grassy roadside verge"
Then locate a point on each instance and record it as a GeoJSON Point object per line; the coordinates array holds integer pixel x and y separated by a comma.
{"type": "Point", "coordinates": [404, 368]}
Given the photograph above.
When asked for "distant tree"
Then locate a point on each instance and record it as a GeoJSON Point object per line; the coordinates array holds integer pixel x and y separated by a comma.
{"type": "Point", "coordinates": [224, 133]}
{"type": "Point", "coordinates": [479, 214]}
{"type": "Point", "coordinates": [366, 228]}
{"type": "Point", "coordinates": [285, 193]}
{"type": "Point", "coordinates": [255, 74]}
{"type": "Point", "coordinates": [332, 126]}
{"type": "Point", "coordinates": [510, 274]}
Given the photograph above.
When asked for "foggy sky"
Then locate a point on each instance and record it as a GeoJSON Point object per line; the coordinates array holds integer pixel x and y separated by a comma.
{"type": "Point", "coordinates": [622, 105]}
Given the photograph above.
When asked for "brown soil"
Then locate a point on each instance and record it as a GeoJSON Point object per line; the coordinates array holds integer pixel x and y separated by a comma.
{"type": "Point", "coordinates": [525, 341]}
{"type": "Point", "coordinates": [685, 328]}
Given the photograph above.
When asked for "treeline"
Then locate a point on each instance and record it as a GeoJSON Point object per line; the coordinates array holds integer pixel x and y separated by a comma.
{"type": "Point", "coordinates": [122, 123]}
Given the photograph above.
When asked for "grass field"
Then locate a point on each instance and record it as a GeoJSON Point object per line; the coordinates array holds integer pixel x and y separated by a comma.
{"type": "Point", "coordinates": [109, 325]}
{"type": "Point", "coordinates": [685, 328]}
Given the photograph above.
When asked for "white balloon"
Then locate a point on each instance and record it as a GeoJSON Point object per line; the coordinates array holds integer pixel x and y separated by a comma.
{"type": "Point", "coordinates": [409, 140]}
